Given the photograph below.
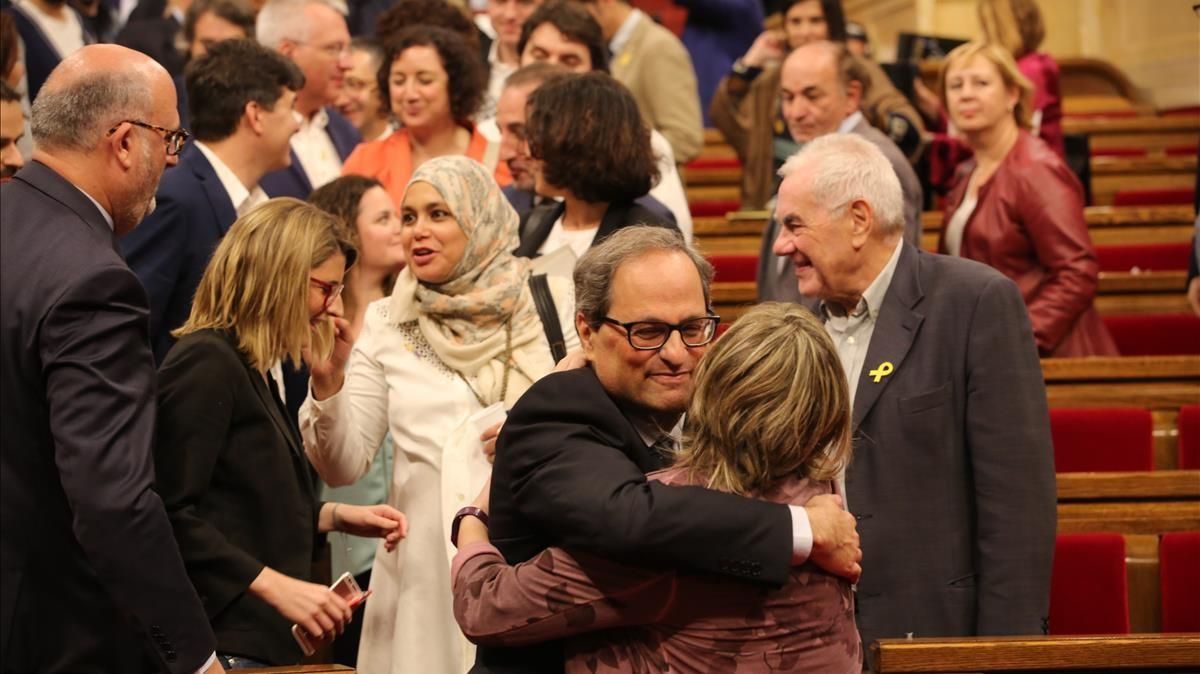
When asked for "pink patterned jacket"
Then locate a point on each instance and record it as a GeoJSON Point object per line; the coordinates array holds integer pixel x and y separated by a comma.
{"type": "Point", "coordinates": [623, 618]}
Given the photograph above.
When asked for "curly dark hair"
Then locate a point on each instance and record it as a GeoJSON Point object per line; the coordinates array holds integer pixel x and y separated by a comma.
{"type": "Point", "coordinates": [587, 131]}
{"type": "Point", "coordinates": [466, 77]}
{"type": "Point", "coordinates": [429, 13]}
{"type": "Point", "coordinates": [232, 74]}
{"type": "Point", "coordinates": [574, 22]}
{"type": "Point", "coordinates": [835, 18]}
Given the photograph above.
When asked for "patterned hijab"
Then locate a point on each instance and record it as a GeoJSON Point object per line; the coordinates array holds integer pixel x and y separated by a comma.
{"type": "Point", "coordinates": [465, 319]}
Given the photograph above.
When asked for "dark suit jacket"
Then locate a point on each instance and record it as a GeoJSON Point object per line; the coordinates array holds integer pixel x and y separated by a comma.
{"type": "Point", "coordinates": [293, 181]}
{"type": "Point", "coordinates": [170, 249]}
{"type": "Point", "coordinates": [237, 489]}
{"type": "Point", "coordinates": [536, 225]}
{"type": "Point", "coordinates": [777, 279]}
{"type": "Point", "coordinates": [40, 56]}
{"type": "Point", "coordinates": [952, 479]}
{"type": "Point", "coordinates": [523, 201]}
{"type": "Point", "coordinates": [91, 577]}
{"type": "Point", "coordinates": [570, 472]}
{"type": "Point", "coordinates": [156, 37]}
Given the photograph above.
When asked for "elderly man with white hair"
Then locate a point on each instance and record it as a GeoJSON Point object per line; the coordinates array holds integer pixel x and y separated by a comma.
{"type": "Point", "coordinates": [313, 34]}
{"type": "Point", "coordinates": [953, 474]}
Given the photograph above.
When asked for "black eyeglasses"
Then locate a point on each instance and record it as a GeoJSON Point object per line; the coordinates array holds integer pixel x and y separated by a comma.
{"type": "Point", "coordinates": [332, 291]}
{"type": "Point", "coordinates": [174, 139]}
{"type": "Point", "coordinates": [653, 335]}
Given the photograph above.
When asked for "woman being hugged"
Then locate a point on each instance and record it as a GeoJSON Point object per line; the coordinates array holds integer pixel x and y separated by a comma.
{"type": "Point", "coordinates": [1016, 206]}
{"type": "Point", "coordinates": [229, 463]}
{"type": "Point", "coordinates": [460, 333]}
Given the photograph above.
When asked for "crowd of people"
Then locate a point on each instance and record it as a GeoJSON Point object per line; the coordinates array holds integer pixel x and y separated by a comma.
{"type": "Point", "coordinates": [420, 287]}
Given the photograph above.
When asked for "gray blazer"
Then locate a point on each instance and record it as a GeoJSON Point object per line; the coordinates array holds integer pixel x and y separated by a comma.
{"type": "Point", "coordinates": [952, 479]}
{"type": "Point", "coordinates": [776, 279]}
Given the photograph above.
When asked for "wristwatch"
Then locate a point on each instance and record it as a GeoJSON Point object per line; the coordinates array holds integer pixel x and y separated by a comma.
{"type": "Point", "coordinates": [744, 71]}
{"type": "Point", "coordinates": [465, 511]}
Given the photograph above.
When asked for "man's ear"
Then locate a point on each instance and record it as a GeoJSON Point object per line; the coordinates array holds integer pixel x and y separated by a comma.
{"type": "Point", "coordinates": [121, 144]}
{"type": "Point", "coordinates": [854, 92]}
{"type": "Point", "coordinates": [862, 222]}
{"type": "Point", "coordinates": [252, 115]}
{"type": "Point", "coordinates": [586, 334]}
{"type": "Point", "coordinates": [287, 48]}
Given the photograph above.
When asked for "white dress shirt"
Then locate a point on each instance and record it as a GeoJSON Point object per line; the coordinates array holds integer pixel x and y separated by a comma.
{"type": "Point", "coordinates": [243, 199]}
{"type": "Point", "coordinates": [318, 156]}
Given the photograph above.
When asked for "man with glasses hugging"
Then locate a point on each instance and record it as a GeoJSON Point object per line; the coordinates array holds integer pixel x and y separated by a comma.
{"type": "Point", "coordinates": [572, 457]}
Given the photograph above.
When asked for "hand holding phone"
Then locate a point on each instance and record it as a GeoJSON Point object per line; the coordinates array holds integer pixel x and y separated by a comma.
{"type": "Point", "coordinates": [345, 587]}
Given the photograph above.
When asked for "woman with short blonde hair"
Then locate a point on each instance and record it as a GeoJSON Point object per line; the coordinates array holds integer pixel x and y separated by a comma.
{"type": "Point", "coordinates": [229, 463]}
{"type": "Point", "coordinates": [770, 419]}
{"type": "Point", "coordinates": [1016, 206]}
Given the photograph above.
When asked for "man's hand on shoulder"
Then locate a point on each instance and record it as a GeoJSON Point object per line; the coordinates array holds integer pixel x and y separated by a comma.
{"type": "Point", "coordinates": [836, 546]}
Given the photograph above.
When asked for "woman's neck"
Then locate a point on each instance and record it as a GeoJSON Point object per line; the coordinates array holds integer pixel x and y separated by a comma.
{"type": "Point", "coordinates": [375, 128]}
{"type": "Point", "coordinates": [992, 145]}
{"type": "Point", "coordinates": [438, 141]}
{"type": "Point", "coordinates": [579, 214]}
{"type": "Point", "coordinates": [365, 287]}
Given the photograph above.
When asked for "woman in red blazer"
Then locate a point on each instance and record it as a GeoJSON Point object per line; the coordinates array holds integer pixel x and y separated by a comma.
{"type": "Point", "coordinates": [1016, 206]}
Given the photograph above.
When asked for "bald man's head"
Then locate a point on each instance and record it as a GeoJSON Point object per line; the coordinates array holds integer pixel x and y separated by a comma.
{"type": "Point", "coordinates": [820, 85]}
{"type": "Point", "coordinates": [95, 88]}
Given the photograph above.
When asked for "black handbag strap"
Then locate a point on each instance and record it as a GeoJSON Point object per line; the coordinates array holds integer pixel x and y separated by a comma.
{"type": "Point", "coordinates": [544, 301]}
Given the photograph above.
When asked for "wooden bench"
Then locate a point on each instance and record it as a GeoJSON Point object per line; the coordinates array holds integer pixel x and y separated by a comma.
{"type": "Point", "coordinates": [300, 669]}
{"type": "Point", "coordinates": [1113, 174]}
{"type": "Point", "coordinates": [1151, 133]}
{"type": "Point", "coordinates": [1125, 653]}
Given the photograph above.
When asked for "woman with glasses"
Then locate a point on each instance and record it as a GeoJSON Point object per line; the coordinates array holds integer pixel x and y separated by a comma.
{"type": "Point", "coordinates": [434, 85]}
{"type": "Point", "coordinates": [229, 462]}
{"type": "Point", "coordinates": [769, 419]}
{"type": "Point", "coordinates": [461, 332]}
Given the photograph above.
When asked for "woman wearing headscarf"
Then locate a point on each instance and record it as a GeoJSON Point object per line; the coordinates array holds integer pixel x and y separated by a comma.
{"type": "Point", "coordinates": [459, 333]}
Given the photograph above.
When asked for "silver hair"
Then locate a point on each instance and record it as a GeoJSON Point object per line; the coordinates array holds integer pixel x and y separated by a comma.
{"type": "Point", "coordinates": [76, 117]}
{"type": "Point", "coordinates": [595, 270]}
{"type": "Point", "coordinates": [281, 20]}
{"type": "Point", "coordinates": [850, 168]}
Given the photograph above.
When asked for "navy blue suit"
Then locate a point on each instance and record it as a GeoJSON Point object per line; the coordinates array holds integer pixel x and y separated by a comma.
{"type": "Point", "coordinates": [40, 55]}
{"type": "Point", "coordinates": [293, 181]}
{"type": "Point", "coordinates": [171, 248]}
{"type": "Point", "coordinates": [91, 579]}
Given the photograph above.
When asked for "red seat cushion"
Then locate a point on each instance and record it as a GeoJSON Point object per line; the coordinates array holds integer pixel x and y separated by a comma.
{"type": "Point", "coordinates": [1155, 197]}
{"type": "Point", "coordinates": [1102, 438]}
{"type": "Point", "coordinates": [1088, 588]}
{"type": "Point", "coordinates": [1119, 152]}
{"type": "Point", "coordinates": [1182, 151]}
{"type": "Point", "coordinates": [731, 268]}
{"type": "Point", "coordinates": [1189, 437]}
{"type": "Point", "coordinates": [714, 163]}
{"type": "Point", "coordinates": [1155, 334]}
{"type": "Point", "coordinates": [714, 207]}
{"type": "Point", "coordinates": [1144, 256]}
{"type": "Point", "coordinates": [1179, 581]}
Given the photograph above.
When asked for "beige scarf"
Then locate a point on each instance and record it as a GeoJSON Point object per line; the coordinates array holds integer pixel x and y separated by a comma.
{"type": "Point", "coordinates": [465, 320]}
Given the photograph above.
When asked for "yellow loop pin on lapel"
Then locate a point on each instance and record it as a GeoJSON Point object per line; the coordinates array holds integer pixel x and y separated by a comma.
{"type": "Point", "coordinates": [885, 368]}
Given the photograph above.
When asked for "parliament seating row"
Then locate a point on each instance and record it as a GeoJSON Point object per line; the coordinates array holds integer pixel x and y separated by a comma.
{"type": "Point", "coordinates": [1097, 654]}
{"type": "Point", "coordinates": [1097, 439]}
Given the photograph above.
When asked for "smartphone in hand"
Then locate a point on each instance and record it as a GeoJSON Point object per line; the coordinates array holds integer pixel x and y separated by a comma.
{"type": "Point", "coordinates": [347, 588]}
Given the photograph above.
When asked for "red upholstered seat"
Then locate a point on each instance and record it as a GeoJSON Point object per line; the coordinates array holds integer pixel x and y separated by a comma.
{"type": "Point", "coordinates": [1155, 334]}
{"type": "Point", "coordinates": [1155, 197]}
{"type": "Point", "coordinates": [1189, 437]}
{"type": "Point", "coordinates": [1102, 439]}
{"type": "Point", "coordinates": [1144, 256]}
{"type": "Point", "coordinates": [732, 268]}
{"type": "Point", "coordinates": [714, 163]}
{"type": "Point", "coordinates": [1088, 588]}
{"type": "Point", "coordinates": [1119, 152]}
{"type": "Point", "coordinates": [1179, 581]}
{"type": "Point", "coordinates": [1182, 151]}
{"type": "Point", "coordinates": [714, 207]}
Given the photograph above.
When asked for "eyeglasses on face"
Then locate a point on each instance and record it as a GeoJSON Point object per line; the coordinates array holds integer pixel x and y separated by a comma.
{"type": "Point", "coordinates": [653, 335]}
{"type": "Point", "coordinates": [333, 51]}
{"type": "Point", "coordinates": [174, 139]}
{"type": "Point", "coordinates": [330, 290]}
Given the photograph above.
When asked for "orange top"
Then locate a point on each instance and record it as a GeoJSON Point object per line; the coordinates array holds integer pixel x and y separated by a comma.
{"type": "Point", "coordinates": [390, 161]}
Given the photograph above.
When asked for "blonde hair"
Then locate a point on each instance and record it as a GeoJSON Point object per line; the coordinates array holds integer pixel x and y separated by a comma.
{"type": "Point", "coordinates": [1003, 60]}
{"type": "Point", "coordinates": [257, 281]}
{"type": "Point", "coordinates": [771, 401]}
{"type": "Point", "coordinates": [1015, 25]}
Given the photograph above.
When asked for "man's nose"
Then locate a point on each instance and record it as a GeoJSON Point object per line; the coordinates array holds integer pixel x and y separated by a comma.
{"type": "Point", "coordinates": [674, 351]}
{"type": "Point", "coordinates": [783, 243]}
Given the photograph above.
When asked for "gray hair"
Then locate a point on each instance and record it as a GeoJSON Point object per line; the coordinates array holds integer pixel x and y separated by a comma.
{"type": "Point", "coordinates": [281, 20]}
{"type": "Point", "coordinates": [595, 270]}
{"type": "Point", "coordinates": [852, 168]}
{"type": "Point", "coordinates": [75, 117]}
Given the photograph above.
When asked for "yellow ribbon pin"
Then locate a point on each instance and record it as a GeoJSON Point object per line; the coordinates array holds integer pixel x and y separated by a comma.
{"type": "Point", "coordinates": [885, 368]}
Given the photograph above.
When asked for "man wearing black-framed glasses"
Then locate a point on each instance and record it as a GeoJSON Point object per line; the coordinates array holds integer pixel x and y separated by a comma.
{"type": "Point", "coordinates": [92, 577]}
{"type": "Point", "coordinates": [571, 459]}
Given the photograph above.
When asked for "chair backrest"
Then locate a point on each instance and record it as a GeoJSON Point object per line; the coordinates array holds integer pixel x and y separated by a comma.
{"type": "Point", "coordinates": [1102, 439]}
{"type": "Point", "coordinates": [1189, 437]}
{"type": "Point", "coordinates": [1155, 334]}
{"type": "Point", "coordinates": [1179, 581]}
{"type": "Point", "coordinates": [734, 268]}
{"type": "Point", "coordinates": [1088, 587]}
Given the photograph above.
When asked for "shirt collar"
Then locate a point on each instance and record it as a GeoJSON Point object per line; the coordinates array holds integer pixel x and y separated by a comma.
{"type": "Point", "coordinates": [621, 37]}
{"type": "Point", "coordinates": [318, 122]}
{"type": "Point", "coordinates": [107, 217]}
{"type": "Point", "coordinates": [872, 298]}
{"type": "Point", "coordinates": [850, 122]}
{"type": "Point", "coordinates": [237, 192]}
